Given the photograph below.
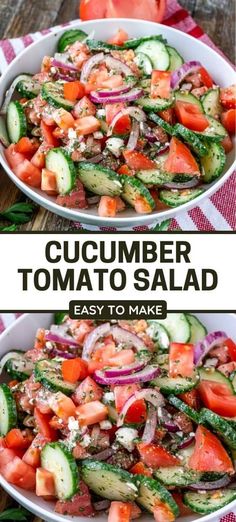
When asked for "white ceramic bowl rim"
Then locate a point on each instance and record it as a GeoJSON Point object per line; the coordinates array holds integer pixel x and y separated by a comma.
{"type": "Point", "coordinates": [25, 327]}
{"type": "Point", "coordinates": [130, 220]}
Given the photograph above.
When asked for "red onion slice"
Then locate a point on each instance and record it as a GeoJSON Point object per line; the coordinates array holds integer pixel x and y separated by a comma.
{"type": "Point", "coordinates": [216, 484]}
{"type": "Point", "coordinates": [145, 375]}
{"type": "Point", "coordinates": [182, 185]}
{"type": "Point", "coordinates": [130, 96]}
{"type": "Point", "coordinates": [102, 505]}
{"type": "Point", "coordinates": [187, 442]}
{"type": "Point", "coordinates": [131, 340]}
{"type": "Point", "coordinates": [134, 135]}
{"type": "Point", "coordinates": [202, 348]}
{"type": "Point", "coordinates": [103, 455]}
{"type": "Point", "coordinates": [135, 112]}
{"type": "Point", "coordinates": [62, 65]}
{"type": "Point", "coordinates": [89, 65]}
{"type": "Point", "coordinates": [60, 353]}
{"type": "Point", "coordinates": [167, 422]}
{"type": "Point", "coordinates": [64, 77]}
{"type": "Point", "coordinates": [126, 370]}
{"type": "Point", "coordinates": [178, 76]}
{"type": "Point", "coordinates": [148, 394]}
{"type": "Point", "coordinates": [163, 149]}
{"type": "Point", "coordinates": [61, 340]}
{"type": "Point", "coordinates": [96, 159]}
{"type": "Point", "coordinates": [118, 66]}
{"type": "Point", "coordinates": [93, 337]}
{"type": "Point", "coordinates": [150, 426]}
{"type": "Point", "coordinates": [10, 91]}
{"type": "Point", "coordinates": [118, 90]}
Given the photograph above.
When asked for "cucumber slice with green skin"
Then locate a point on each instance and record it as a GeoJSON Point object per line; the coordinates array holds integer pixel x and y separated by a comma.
{"type": "Point", "coordinates": [60, 317]}
{"type": "Point", "coordinates": [132, 189]}
{"type": "Point", "coordinates": [213, 162]}
{"type": "Point", "coordinates": [69, 37]}
{"type": "Point", "coordinates": [211, 102]}
{"type": "Point", "coordinates": [108, 481]}
{"type": "Point", "coordinates": [28, 87]}
{"type": "Point", "coordinates": [99, 180]}
{"type": "Point", "coordinates": [134, 43]}
{"type": "Point", "coordinates": [52, 92]}
{"type": "Point", "coordinates": [210, 374]}
{"type": "Point", "coordinates": [16, 121]}
{"type": "Point", "coordinates": [176, 59]}
{"type": "Point", "coordinates": [184, 408]}
{"type": "Point", "coordinates": [144, 63]}
{"type": "Point", "coordinates": [56, 458]}
{"type": "Point", "coordinates": [159, 335]}
{"type": "Point", "coordinates": [191, 138]}
{"type": "Point", "coordinates": [177, 198]}
{"type": "Point", "coordinates": [208, 502]}
{"type": "Point", "coordinates": [198, 330]}
{"type": "Point", "coordinates": [234, 383]}
{"type": "Point", "coordinates": [163, 124]}
{"type": "Point", "coordinates": [177, 327]}
{"type": "Point", "coordinates": [19, 367]}
{"type": "Point", "coordinates": [48, 372]}
{"type": "Point", "coordinates": [155, 104]}
{"type": "Point", "coordinates": [177, 476]}
{"type": "Point", "coordinates": [4, 138]}
{"type": "Point", "coordinates": [8, 412]}
{"type": "Point", "coordinates": [160, 177]}
{"type": "Point", "coordinates": [99, 45]}
{"type": "Point", "coordinates": [156, 52]}
{"type": "Point", "coordinates": [151, 492]}
{"type": "Point", "coordinates": [59, 162]}
{"type": "Point", "coordinates": [214, 132]}
{"type": "Point", "coordinates": [220, 426]}
{"type": "Point", "coordinates": [187, 97]}
{"type": "Point", "coordinates": [177, 385]}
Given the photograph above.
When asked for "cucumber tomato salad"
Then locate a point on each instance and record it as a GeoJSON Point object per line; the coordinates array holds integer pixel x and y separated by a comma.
{"type": "Point", "coordinates": [117, 124]}
{"type": "Point", "coordinates": [123, 418]}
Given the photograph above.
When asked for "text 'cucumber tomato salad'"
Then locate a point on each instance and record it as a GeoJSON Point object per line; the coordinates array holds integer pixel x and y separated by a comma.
{"type": "Point", "coordinates": [123, 418]}
{"type": "Point", "coordinates": [117, 124]}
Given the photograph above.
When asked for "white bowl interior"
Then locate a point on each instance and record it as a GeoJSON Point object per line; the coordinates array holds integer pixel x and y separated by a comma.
{"type": "Point", "coordinates": [30, 60]}
{"type": "Point", "coordinates": [20, 336]}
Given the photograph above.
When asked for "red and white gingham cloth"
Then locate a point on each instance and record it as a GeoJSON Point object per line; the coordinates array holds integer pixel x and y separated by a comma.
{"type": "Point", "coordinates": [214, 213]}
{"type": "Point", "coordinates": [7, 319]}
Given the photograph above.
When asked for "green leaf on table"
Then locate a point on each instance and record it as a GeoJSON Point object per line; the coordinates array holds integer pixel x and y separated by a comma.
{"type": "Point", "coordinates": [18, 213]}
{"type": "Point", "coordinates": [15, 514]}
{"type": "Point", "coordinates": [10, 228]}
{"type": "Point", "coordinates": [164, 225]}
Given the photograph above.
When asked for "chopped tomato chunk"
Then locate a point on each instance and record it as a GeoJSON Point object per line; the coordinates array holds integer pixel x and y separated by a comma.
{"type": "Point", "coordinates": [91, 413]}
{"type": "Point", "coordinates": [209, 454]}
{"type": "Point", "coordinates": [228, 97]}
{"type": "Point", "coordinates": [231, 348]}
{"type": "Point", "coordinates": [42, 423]}
{"type": "Point", "coordinates": [47, 134]}
{"type": "Point", "coordinates": [74, 370]}
{"type": "Point", "coordinates": [26, 146]}
{"type": "Point", "coordinates": [28, 173]}
{"type": "Point", "coordinates": [190, 116]}
{"type": "Point", "coordinates": [122, 358]}
{"type": "Point", "coordinates": [73, 90]}
{"type": "Point", "coordinates": [63, 119]}
{"type": "Point", "coordinates": [16, 438]}
{"type": "Point", "coordinates": [137, 411]}
{"type": "Point", "coordinates": [191, 398]}
{"type": "Point", "coordinates": [181, 360]}
{"type": "Point", "coordinates": [227, 144]}
{"type": "Point", "coordinates": [87, 391]}
{"type": "Point", "coordinates": [160, 84]}
{"type": "Point", "coordinates": [45, 483]}
{"type": "Point", "coordinates": [119, 512]}
{"type": "Point", "coordinates": [162, 513]}
{"type": "Point", "coordinates": [217, 397]}
{"type": "Point", "coordinates": [156, 456]}
{"type": "Point", "coordinates": [119, 38]}
{"type": "Point", "coordinates": [228, 119]}
{"type": "Point", "coordinates": [180, 159]}
{"type": "Point", "coordinates": [62, 405]}
{"type": "Point", "coordinates": [13, 157]}
{"type": "Point", "coordinates": [49, 182]}
{"type": "Point", "coordinates": [107, 206]}
{"type": "Point", "coordinates": [87, 125]}
{"type": "Point", "coordinates": [84, 107]}
{"type": "Point", "coordinates": [140, 469]}
{"type": "Point", "coordinates": [205, 77]}
{"type": "Point", "coordinates": [18, 472]}
{"type": "Point", "coordinates": [138, 161]}
{"type": "Point", "coordinates": [123, 125]}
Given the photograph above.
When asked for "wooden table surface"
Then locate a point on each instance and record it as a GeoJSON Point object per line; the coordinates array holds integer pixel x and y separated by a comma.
{"type": "Point", "coordinates": [18, 17]}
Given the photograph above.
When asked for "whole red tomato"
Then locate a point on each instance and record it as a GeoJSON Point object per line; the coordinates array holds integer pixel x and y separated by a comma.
{"type": "Point", "coordinates": [153, 10]}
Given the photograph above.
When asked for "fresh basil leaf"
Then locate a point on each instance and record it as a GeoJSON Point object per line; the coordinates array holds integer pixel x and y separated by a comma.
{"type": "Point", "coordinates": [15, 514]}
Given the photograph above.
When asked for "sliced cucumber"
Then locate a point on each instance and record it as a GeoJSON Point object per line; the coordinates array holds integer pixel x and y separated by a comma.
{"type": "Point", "coordinates": [191, 138]}
{"type": "Point", "coordinates": [8, 412]}
{"type": "Point", "coordinates": [210, 374]}
{"type": "Point", "coordinates": [18, 366]}
{"type": "Point", "coordinates": [108, 481]}
{"type": "Point", "coordinates": [133, 189]}
{"type": "Point", "coordinates": [16, 121]}
{"type": "Point", "coordinates": [155, 104]}
{"type": "Point", "coordinates": [198, 330]}
{"type": "Point", "coordinates": [156, 52]}
{"type": "Point", "coordinates": [177, 327]}
{"type": "Point", "coordinates": [99, 45]}
{"type": "Point", "coordinates": [220, 426]}
{"type": "Point", "coordinates": [144, 63]}
{"type": "Point", "coordinates": [176, 59]}
{"type": "Point", "coordinates": [177, 385]}
{"type": "Point", "coordinates": [211, 102]}
{"type": "Point", "coordinates": [4, 138]}
{"type": "Point", "coordinates": [99, 180]}
{"type": "Point", "coordinates": [60, 317]}
{"type": "Point", "coordinates": [214, 132]}
{"type": "Point", "coordinates": [213, 162]}
{"type": "Point", "coordinates": [154, 176]}
{"type": "Point", "coordinates": [59, 162]}
{"type": "Point", "coordinates": [162, 123]}
{"type": "Point", "coordinates": [159, 335]}
{"type": "Point", "coordinates": [175, 198]}
{"type": "Point", "coordinates": [52, 92]}
{"type": "Point", "coordinates": [177, 476]}
{"type": "Point", "coordinates": [69, 37]}
{"type": "Point", "coordinates": [184, 408]}
{"type": "Point", "coordinates": [28, 87]}
{"type": "Point", "coordinates": [208, 502]}
{"type": "Point", "coordinates": [56, 458]}
{"type": "Point", "coordinates": [151, 493]}
{"type": "Point", "coordinates": [48, 372]}
{"type": "Point", "coordinates": [134, 43]}
{"type": "Point", "coordinates": [187, 97]}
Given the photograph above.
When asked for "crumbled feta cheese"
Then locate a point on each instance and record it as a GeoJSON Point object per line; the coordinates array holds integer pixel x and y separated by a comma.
{"type": "Point", "coordinates": [73, 424]}
{"type": "Point", "coordinates": [72, 134]}
{"type": "Point", "coordinates": [101, 113]}
{"type": "Point", "coordinates": [82, 146]}
{"type": "Point", "coordinates": [126, 437]}
{"type": "Point", "coordinates": [53, 70]}
{"type": "Point", "coordinates": [108, 397]}
{"type": "Point", "coordinates": [105, 425]}
{"type": "Point", "coordinates": [98, 135]}
{"type": "Point", "coordinates": [114, 145]}
{"type": "Point", "coordinates": [86, 440]}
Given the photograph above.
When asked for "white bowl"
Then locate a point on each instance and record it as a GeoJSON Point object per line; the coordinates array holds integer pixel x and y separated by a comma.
{"type": "Point", "coordinates": [30, 60]}
{"type": "Point", "coordinates": [20, 336]}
